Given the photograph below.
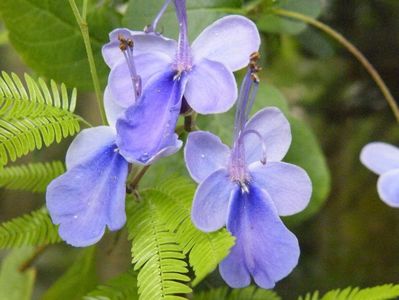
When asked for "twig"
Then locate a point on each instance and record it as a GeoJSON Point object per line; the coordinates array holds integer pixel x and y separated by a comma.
{"type": "Point", "coordinates": [28, 263]}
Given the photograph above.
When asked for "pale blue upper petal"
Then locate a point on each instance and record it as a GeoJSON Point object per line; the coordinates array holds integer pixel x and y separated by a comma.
{"type": "Point", "coordinates": [89, 197]}
{"type": "Point", "coordinates": [147, 129]}
{"type": "Point", "coordinates": [204, 153]}
{"type": "Point", "coordinates": [288, 185]}
{"type": "Point", "coordinates": [112, 110]}
{"type": "Point", "coordinates": [380, 157]}
{"type": "Point", "coordinates": [265, 249]}
{"type": "Point", "coordinates": [230, 41]}
{"type": "Point", "coordinates": [211, 200]}
{"type": "Point", "coordinates": [275, 130]}
{"type": "Point", "coordinates": [143, 43]}
{"type": "Point", "coordinates": [388, 187]}
{"type": "Point", "coordinates": [211, 87]}
{"type": "Point", "coordinates": [87, 144]}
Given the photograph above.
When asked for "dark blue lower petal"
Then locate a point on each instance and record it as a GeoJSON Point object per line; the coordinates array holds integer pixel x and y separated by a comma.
{"type": "Point", "coordinates": [265, 249]}
{"type": "Point", "coordinates": [89, 197]}
{"type": "Point", "coordinates": [147, 130]}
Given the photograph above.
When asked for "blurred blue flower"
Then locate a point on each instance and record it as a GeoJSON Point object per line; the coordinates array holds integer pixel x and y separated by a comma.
{"type": "Point", "coordinates": [383, 159]}
{"type": "Point", "coordinates": [248, 188]}
{"type": "Point", "coordinates": [201, 73]}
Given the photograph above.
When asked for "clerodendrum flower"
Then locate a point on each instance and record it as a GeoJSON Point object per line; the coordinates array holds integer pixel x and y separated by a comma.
{"type": "Point", "coordinates": [201, 73]}
{"type": "Point", "coordinates": [248, 188]}
{"type": "Point", "coordinates": [91, 194]}
{"type": "Point", "coordinates": [383, 159]}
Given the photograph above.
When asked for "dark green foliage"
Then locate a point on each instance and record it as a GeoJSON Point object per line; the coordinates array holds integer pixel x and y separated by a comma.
{"type": "Point", "coordinates": [249, 293]}
{"type": "Point", "coordinates": [33, 177]}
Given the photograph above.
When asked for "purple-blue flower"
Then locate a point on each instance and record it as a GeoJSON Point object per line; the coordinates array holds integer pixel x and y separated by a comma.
{"type": "Point", "coordinates": [202, 74]}
{"type": "Point", "coordinates": [247, 188]}
{"type": "Point", "coordinates": [383, 159]}
{"type": "Point", "coordinates": [90, 195]}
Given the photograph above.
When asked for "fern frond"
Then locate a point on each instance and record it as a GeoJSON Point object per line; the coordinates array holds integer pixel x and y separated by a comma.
{"type": "Point", "coordinates": [34, 229]}
{"type": "Point", "coordinates": [33, 117]}
{"type": "Point", "coordinates": [37, 100]}
{"type": "Point", "coordinates": [249, 293]}
{"type": "Point", "coordinates": [123, 287]}
{"type": "Point", "coordinates": [33, 177]}
{"type": "Point", "coordinates": [205, 250]}
{"type": "Point", "coordinates": [156, 254]}
{"type": "Point", "coordinates": [382, 292]}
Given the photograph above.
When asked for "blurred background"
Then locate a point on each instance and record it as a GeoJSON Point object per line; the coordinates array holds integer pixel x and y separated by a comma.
{"type": "Point", "coordinates": [354, 238]}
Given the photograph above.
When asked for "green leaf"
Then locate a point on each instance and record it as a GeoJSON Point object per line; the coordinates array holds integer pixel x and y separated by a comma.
{"type": "Point", "coordinates": [200, 14]}
{"type": "Point", "coordinates": [269, 22]}
{"type": "Point", "coordinates": [16, 285]}
{"type": "Point", "coordinates": [32, 177]}
{"type": "Point", "coordinates": [34, 116]}
{"type": "Point", "coordinates": [156, 253]}
{"type": "Point", "coordinates": [249, 293]}
{"type": "Point", "coordinates": [78, 280]}
{"type": "Point", "coordinates": [31, 229]}
{"type": "Point", "coordinates": [173, 200]}
{"type": "Point", "coordinates": [382, 292]}
{"type": "Point", "coordinates": [52, 44]}
{"type": "Point", "coordinates": [122, 287]}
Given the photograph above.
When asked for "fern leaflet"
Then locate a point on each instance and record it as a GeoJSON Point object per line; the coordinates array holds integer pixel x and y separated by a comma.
{"type": "Point", "coordinates": [123, 287]}
{"type": "Point", "coordinates": [34, 229]}
{"type": "Point", "coordinates": [382, 292]}
{"type": "Point", "coordinates": [35, 117]}
{"type": "Point", "coordinates": [205, 250]}
{"type": "Point", "coordinates": [249, 293]}
{"type": "Point", "coordinates": [156, 254]}
{"type": "Point", "coordinates": [33, 177]}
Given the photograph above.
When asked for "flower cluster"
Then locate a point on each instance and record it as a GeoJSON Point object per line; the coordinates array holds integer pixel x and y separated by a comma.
{"type": "Point", "coordinates": [152, 80]}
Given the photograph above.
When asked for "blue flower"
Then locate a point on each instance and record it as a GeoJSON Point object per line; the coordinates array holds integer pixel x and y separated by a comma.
{"type": "Point", "coordinates": [247, 188]}
{"type": "Point", "coordinates": [201, 73]}
{"type": "Point", "coordinates": [383, 159]}
{"type": "Point", "coordinates": [90, 195]}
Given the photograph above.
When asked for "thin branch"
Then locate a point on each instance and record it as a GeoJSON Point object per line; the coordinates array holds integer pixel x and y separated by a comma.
{"type": "Point", "coordinates": [84, 29]}
{"type": "Point", "coordinates": [28, 263]}
{"type": "Point", "coordinates": [351, 48]}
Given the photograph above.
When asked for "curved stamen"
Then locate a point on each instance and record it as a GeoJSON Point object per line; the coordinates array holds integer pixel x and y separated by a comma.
{"type": "Point", "coordinates": [153, 27]}
{"type": "Point", "coordinates": [126, 46]}
{"type": "Point", "coordinates": [263, 159]}
{"type": "Point", "coordinates": [183, 55]}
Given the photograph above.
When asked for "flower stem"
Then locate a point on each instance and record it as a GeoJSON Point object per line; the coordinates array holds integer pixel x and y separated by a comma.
{"type": "Point", "coordinates": [28, 263]}
{"type": "Point", "coordinates": [350, 47]}
{"type": "Point", "coordinates": [84, 29]}
{"type": "Point", "coordinates": [135, 181]}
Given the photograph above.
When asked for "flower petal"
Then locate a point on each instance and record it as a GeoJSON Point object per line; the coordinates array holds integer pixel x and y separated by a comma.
{"type": "Point", "coordinates": [209, 212]}
{"type": "Point", "coordinates": [270, 251]}
{"type": "Point", "coordinates": [211, 88]}
{"type": "Point", "coordinates": [275, 130]}
{"type": "Point", "coordinates": [120, 80]}
{"type": "Point", "coordinates": [112, 110]}
{"type": "Point", "coordinates": [229, 40]}
{"type": "Point", "coordinates": [380, 157]}
{"type": "Point", "coordinates": [143, 43]}
{"type": "Point", "coordinates": [204, 154]}
{"type": "Point", "coordinates": [388, 188]}
{"type": "Point", "coordinates": [89, 196]}
{"type": "Point", "coordinates": [87, 144]}
{"type": "Point", "coordinates": [146, 131]}
{"type": "Point", "coordinates": [289, 186]}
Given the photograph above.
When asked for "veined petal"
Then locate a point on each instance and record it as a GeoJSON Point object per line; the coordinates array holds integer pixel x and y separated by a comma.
{"type": "Point", "coordinates": [87, 144]}
{"type": "Point", "coordinates": [380, 157]}
{"type": "Point", "coordinates": [204, 154]}
{"type": "Point", "coordinates": [289, 186]}
{"type": "Point", "coordinates": [211, 87]}
{"type": "Point", "coordinates": [264, 249]}
{"type": "Point", "coordinates": [148, 127]}
{"type": "Point", "coordinates": [388, 187]}
{"type": "Point", "coordinates": [143, 43]}
{"type": "Point", "coordinates": [230, 41]}
{"type": "Point", "coordinates": [210, 204]}
{"type": "Point", "coordinates": [275, 130]}
{"type": "Point", "coordinates": [112, 110]}
{"type": "Point", "coordinates": [120, 80]}
{"type": "Point", "coordinates": [89, 197]}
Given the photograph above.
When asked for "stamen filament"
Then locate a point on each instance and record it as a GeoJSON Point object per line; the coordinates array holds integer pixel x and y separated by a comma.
{"type": "Point", "coordinates": [153, 27]}
{"type": "Point", "coordinates": [263, 159]}
{"type": "Point", "coordinates": [183, 55]}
